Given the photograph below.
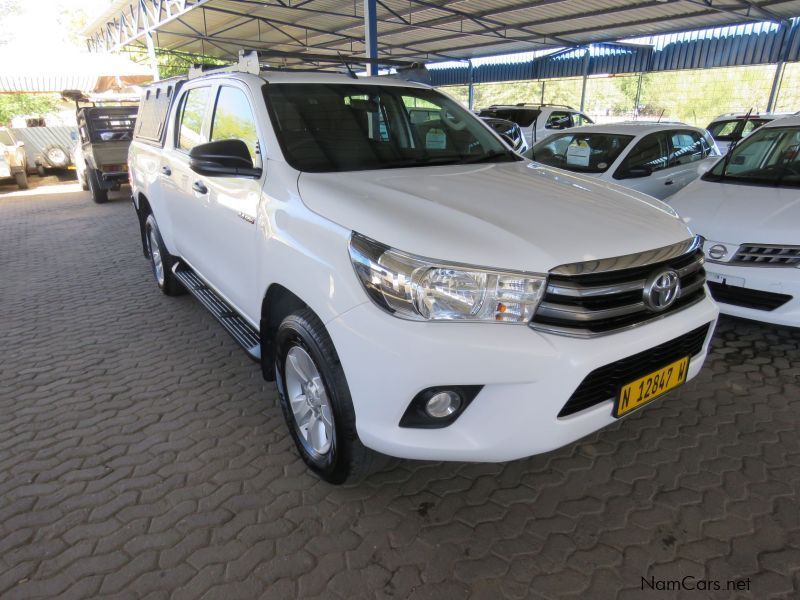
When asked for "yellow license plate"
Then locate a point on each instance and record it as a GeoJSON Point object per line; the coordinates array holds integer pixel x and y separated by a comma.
{"type": "Point", "coordinates": [651, 386]}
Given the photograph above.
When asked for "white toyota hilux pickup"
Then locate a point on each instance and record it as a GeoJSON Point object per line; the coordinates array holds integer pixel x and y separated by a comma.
{"type": "Point", "coordinates": [415, 290]}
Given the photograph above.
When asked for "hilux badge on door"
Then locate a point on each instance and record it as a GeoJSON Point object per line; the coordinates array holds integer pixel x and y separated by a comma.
{"type": "Point", "coordinates": [661, 290]}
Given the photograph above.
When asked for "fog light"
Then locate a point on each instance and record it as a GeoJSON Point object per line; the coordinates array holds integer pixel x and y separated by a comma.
{"type": "Point", "coordinates": [443, 404]}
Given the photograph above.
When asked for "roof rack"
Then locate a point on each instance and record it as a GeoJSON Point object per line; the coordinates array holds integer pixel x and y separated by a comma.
{"type": "Point", "coordinates": [247, 63]}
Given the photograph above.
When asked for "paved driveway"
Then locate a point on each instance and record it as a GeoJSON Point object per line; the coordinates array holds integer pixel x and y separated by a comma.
{"type": "Point", "coordinates": [141, 455]}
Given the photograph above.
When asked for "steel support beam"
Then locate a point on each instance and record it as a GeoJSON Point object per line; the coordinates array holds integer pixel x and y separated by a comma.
{"type": "Point", "coordinates": [151, 55]}
{"type": "Point", "coordinates": [776, 86]}
{"type": "Point", "coordinates": [371, 36]}
{"type": "Point", "coordinates": [586, 61]}
{"type": "Point", "coordinates": [470, 83]}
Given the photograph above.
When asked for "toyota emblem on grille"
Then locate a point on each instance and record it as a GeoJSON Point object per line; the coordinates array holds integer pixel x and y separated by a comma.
{"type": "Point", "coordinates": [661, 290]}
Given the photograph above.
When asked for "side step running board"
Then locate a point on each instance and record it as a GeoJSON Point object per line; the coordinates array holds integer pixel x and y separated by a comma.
{"type": "Point", "coordinates": [244, 333]}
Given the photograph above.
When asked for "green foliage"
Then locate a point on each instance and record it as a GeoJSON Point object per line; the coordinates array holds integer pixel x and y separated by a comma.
{"type": "Point", "coordinates": [172, 63]}
{"type": "Point", "coordinates": [17, 105]}
{"type": "Point", "coordinates": [694, 97]}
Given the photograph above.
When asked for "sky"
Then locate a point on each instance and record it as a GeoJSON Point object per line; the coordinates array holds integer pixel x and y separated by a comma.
{"type": "Point", "coordinates": [49, 25]}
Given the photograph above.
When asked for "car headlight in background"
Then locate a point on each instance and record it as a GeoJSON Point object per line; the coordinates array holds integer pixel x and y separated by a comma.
{"type": "Point", "coordinates": [421, 289]}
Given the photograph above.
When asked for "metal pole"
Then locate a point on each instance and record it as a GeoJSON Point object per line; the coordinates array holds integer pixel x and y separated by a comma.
{"type": "Point", "coordinates": [371, 36]}
{"type": "Point", "coordinates": [776, 86]}
{"type": "Point", "coordinates": [638, 96]}
{"type": "Point", "coordinates": [585, 77]}
{"type": "Point", "coordinates": [471, 90]}
{"type": "Point", "coordinates": [151, 53]}
{"type": "Point", "coordinates": [542, 101]}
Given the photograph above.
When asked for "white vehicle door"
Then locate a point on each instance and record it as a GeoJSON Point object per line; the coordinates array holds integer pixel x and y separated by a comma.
{"type": "Point", "coordinates": [229, 232]}
{"type": "Point", "coordinates": [645, 168]}
{"type": "Point", "coordinates": [187, 208]}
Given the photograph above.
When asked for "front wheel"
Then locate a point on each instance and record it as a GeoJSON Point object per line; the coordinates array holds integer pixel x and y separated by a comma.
{"type": "Point", "coordinates": [316, 402]}
{"type": "Point", "coordinates": [40, 170]}
{"type": "Point", "coordinates": [161, 261]}
{"type": "Point", "coordinates": [22, 180]}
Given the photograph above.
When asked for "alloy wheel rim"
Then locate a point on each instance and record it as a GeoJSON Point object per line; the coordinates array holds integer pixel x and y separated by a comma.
{"type": "Point", "coordinates": [308, 399]}
{"type": "Point", "coordinates": [155, 256]}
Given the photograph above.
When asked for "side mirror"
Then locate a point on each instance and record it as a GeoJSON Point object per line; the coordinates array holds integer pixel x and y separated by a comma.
{"type": "Point", "coordinates": [223, 158]}
{"type": "Point", "coordinates": [636, 172]}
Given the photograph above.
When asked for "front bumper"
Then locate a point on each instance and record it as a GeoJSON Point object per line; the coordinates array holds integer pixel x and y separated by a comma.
{"type": "Point", "coordinates": [774, 280]}
{"type": "Point", "coordinates": [527, 376]}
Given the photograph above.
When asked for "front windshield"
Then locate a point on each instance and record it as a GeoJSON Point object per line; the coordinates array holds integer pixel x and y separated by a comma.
{"type": "Point", "coordinates": [352, 127]}
{"type": "Point", "coordinates": [585, 152]}
{"type": "Point", "coordinates": [5, 138]}
{"type": "Point", "coordinates": [769, 157]}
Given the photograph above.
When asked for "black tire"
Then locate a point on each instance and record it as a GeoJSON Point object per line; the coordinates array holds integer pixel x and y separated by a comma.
{"type": "Point", "coordinates": [21, 177]}
{"type": "Point", "coordinates": [40, 170]}
{"type": "Point", "coordinates": [167, 282]}
{"type": "Point", "coordinates": [99, 195]}
{"type": "Point", "coordinates": [348, 460]}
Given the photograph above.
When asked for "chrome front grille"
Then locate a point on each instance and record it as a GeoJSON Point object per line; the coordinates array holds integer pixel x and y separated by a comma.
{"type": "Point", "coordinates": [767, 255]}
{"type": "Point", "coordinates": [600, 297]}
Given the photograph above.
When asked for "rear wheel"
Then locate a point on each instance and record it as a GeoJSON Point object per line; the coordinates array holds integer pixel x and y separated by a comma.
{"type": "Point", "coordinates": [99, 195]}
{"type": "Point", "coordinates": [316, 402]}
{"type": "Point", "coordinates": [161, 261]}
{"type": "Point", "coordinates": [22, 180]}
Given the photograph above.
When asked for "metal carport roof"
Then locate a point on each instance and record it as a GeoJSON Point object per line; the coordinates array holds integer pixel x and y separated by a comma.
{"type": "Point", "coordinates": [409, 30]}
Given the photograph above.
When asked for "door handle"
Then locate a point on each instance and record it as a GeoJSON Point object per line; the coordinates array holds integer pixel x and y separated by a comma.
{"type": "Point", "coordinates": [668, 182]}
{"type": "Point", "coordinates": [199, 187]}
{"type": "Point", "coordinates": [166, 170]}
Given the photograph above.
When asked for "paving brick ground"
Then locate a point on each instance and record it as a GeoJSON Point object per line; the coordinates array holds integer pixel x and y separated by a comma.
{"type": "Point", "coordinates": [141, 455]}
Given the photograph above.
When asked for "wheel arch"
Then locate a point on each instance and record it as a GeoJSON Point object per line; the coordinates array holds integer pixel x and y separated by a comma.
{"type": "Point", "coordinates": [278, 303]}
{"type": "Point", "coordinates": [143, 209]}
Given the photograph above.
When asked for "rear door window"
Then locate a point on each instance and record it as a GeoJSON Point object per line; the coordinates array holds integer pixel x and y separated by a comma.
{"type": "Point", "coordinates": [687, 147]}
{"type": "Point", "coordinates": [190, 118]}
{"type": "Point", "coordinates": [558, 120]}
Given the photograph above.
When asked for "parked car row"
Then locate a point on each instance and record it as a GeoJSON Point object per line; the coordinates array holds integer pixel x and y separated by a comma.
{"type": "Point", "coordinates": [414, 286]}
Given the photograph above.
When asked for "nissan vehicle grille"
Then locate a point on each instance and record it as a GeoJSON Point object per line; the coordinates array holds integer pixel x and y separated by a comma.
{"type": "Point", "coordinates": [767, 255]}
{"type": "Point", "coordinates": [603, 296]}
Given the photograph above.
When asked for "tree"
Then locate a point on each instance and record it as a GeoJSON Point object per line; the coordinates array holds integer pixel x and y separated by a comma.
{"type": "Point", "coordinates": [17, 105]}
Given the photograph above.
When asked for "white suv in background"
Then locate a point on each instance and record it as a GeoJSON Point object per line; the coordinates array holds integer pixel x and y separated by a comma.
{"type": "Point", "coordinates": [415, 289]}
{"type": "Point", "coordinates": [729, 128]}
{"type": "Point", "coordinates": [748, 209]}
{"type": "Point", "coordinates": [537, 121]}
{"type": "Point", "coordinates": [655, 158]}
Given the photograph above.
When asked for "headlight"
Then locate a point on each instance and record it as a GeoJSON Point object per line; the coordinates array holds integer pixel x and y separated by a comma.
{"type": "Point", "coordinates": [412, 287]}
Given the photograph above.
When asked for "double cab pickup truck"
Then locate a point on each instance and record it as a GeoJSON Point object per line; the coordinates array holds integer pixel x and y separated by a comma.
{"type": "Point", "coordinates": [415, 289]}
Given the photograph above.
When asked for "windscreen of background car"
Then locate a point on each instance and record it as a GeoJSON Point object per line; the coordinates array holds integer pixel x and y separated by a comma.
{"type": "Point", "coordinates": [351, 127]}
{"type": "Point", "coordinates": [5, 138]}
{"type": "Point", "coordinates": [583, 152]}
{"type": "Point", "coordinates": [524, 117]}
{"type": "Point", "coordinates": [769, 156]}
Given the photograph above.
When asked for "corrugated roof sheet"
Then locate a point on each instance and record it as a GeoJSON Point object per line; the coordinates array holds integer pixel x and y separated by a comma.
{"type": "Point", "coordinates": [424, 30]}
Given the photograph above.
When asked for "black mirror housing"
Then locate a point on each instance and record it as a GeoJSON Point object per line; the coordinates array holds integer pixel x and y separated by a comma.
{"type": "Point", "coordinates": [223, 158]}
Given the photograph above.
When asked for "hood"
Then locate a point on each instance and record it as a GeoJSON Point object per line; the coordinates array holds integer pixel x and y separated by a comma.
{"type": "Point", "coordinates": [739, 213]}
{"type": "Point", "coordinates": [516, 215]}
